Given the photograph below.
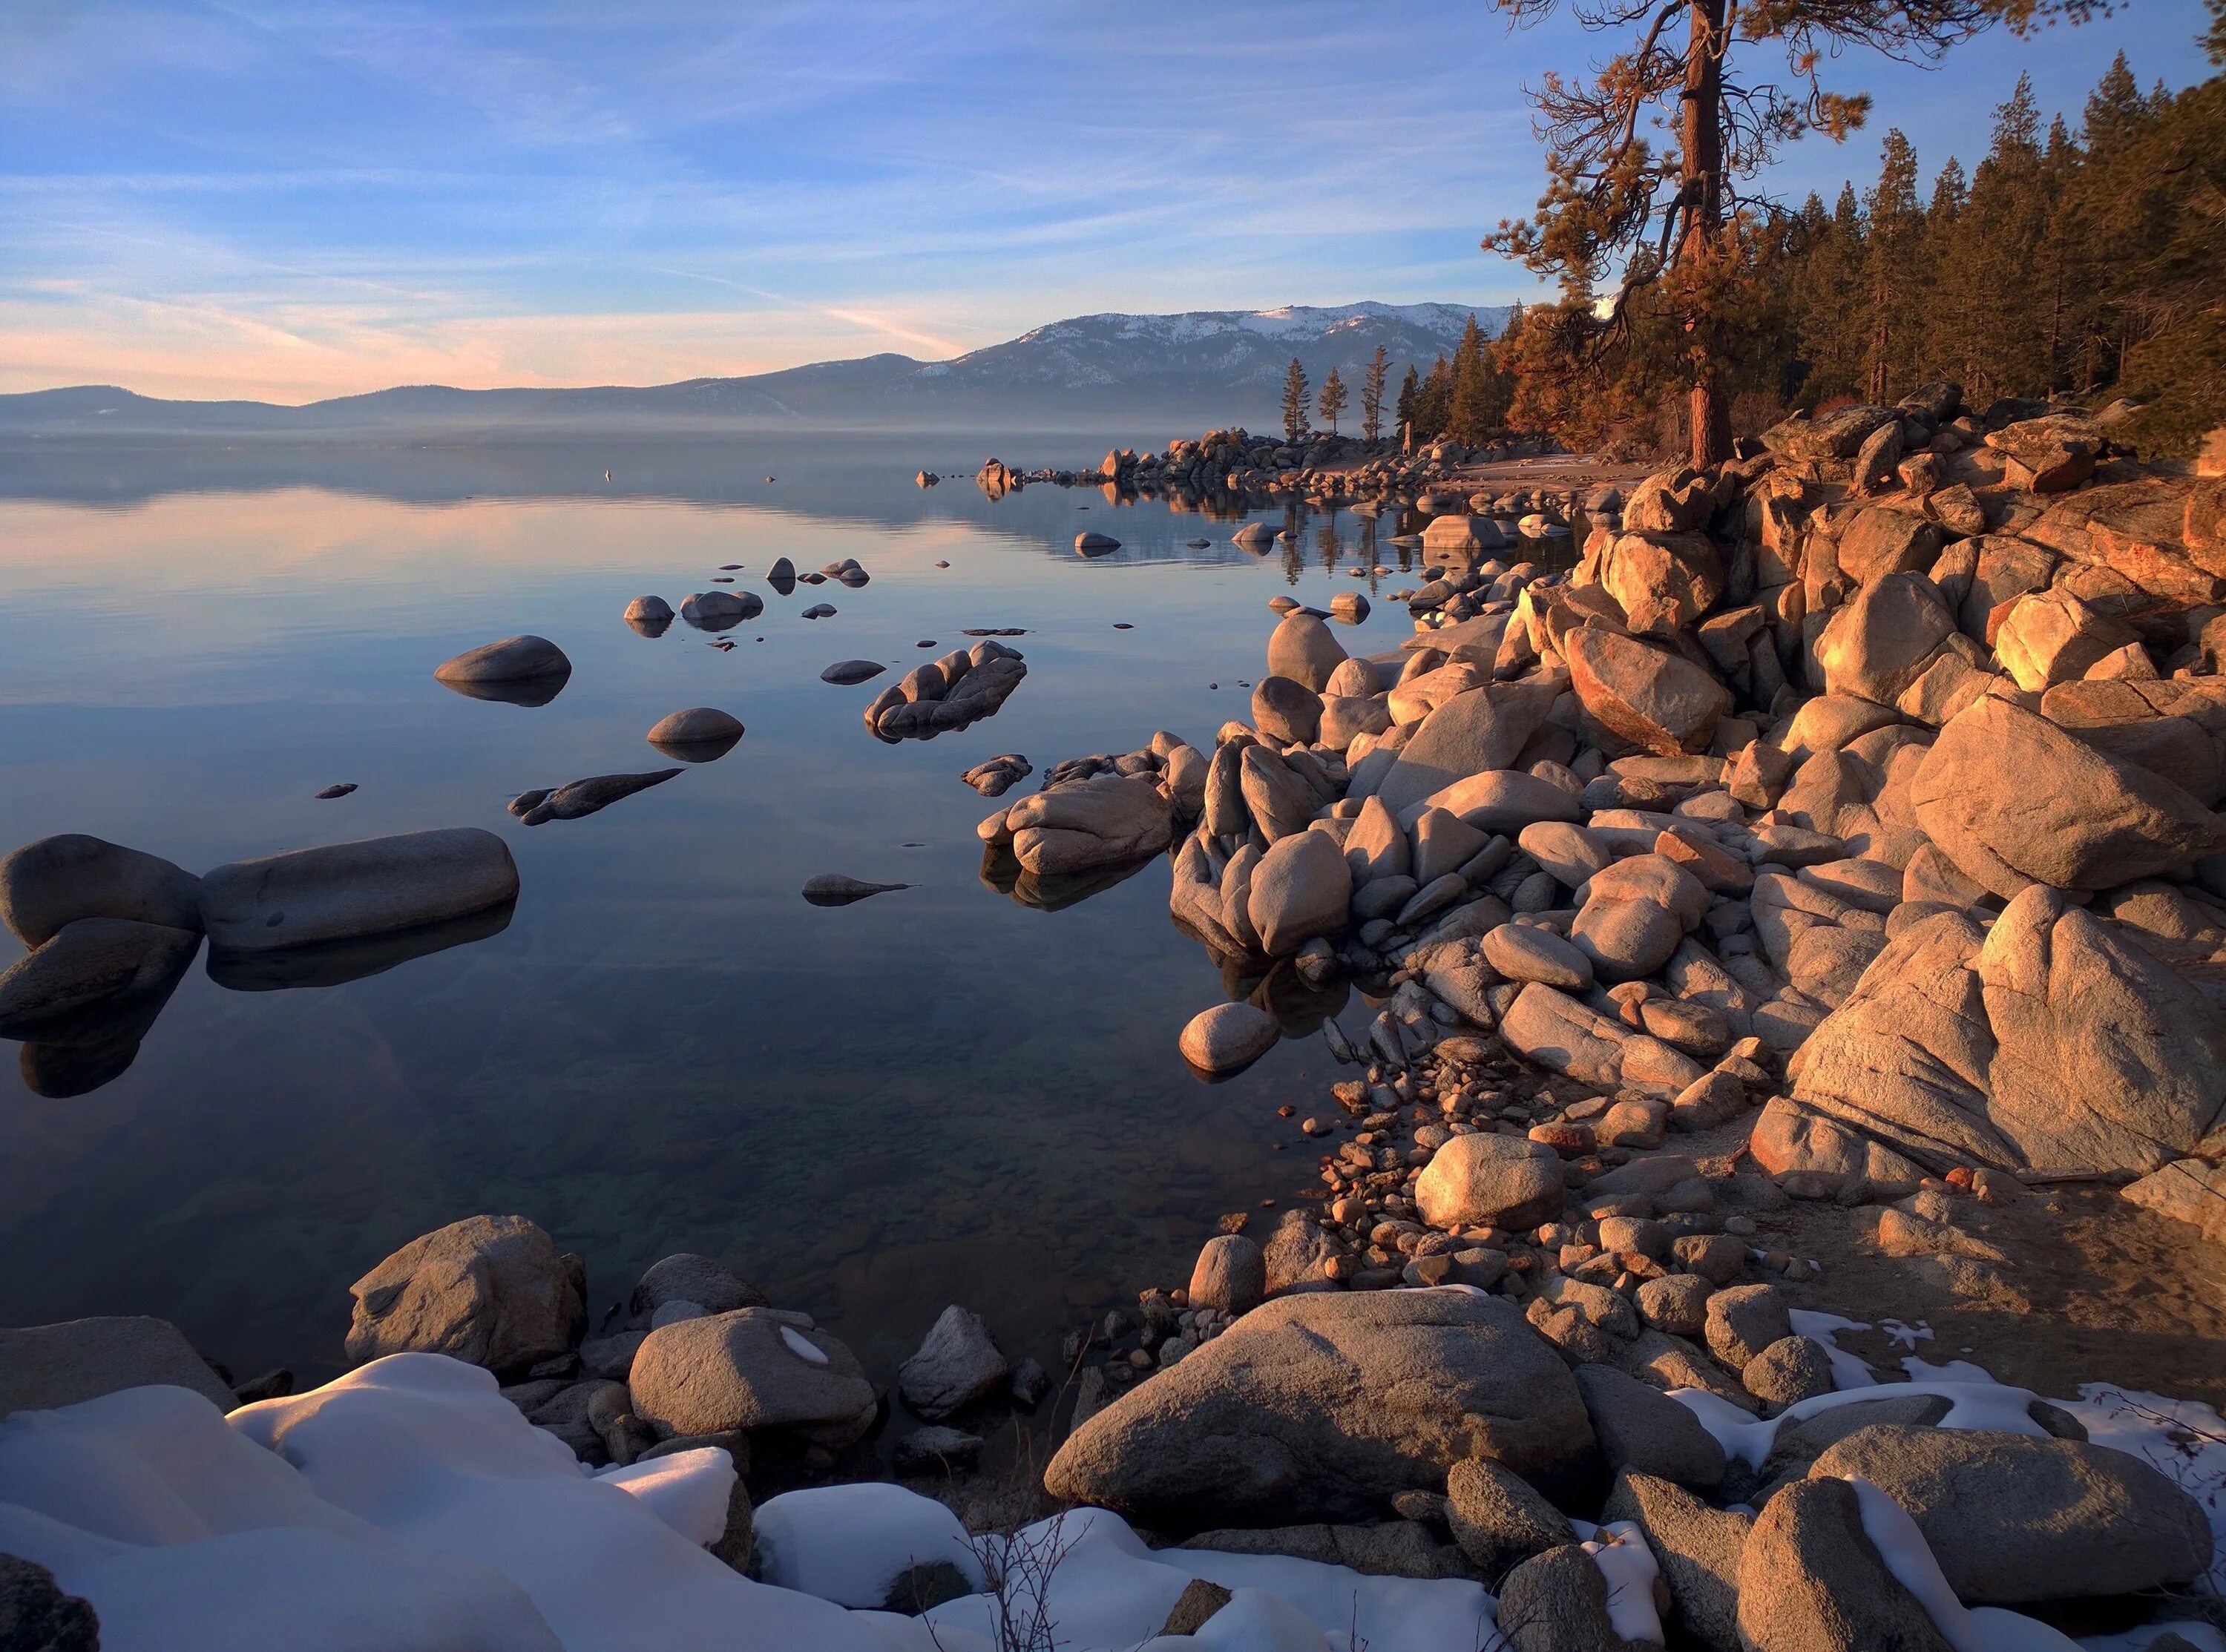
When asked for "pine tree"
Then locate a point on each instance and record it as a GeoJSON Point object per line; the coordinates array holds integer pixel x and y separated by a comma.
{"type": "Point", "coordinates": [1294, 401]}
{"type": "Point", "coordinates": [1832, 282]}
{"type": "Point", "coordinates": [1333, 400]}
{"type": "Point", "coordinates": [1371, 396]}
{"type": "Point", "coordinates": [1433, 403]}
{"type": "Point", "coordinates": [1893, 271]}
{"type": "Point", "coordinates": [1410, 391]}
{"type": "Point", "coordinates": [1682, 221]}
{"type": "Point", "coordinates": [1478, 408]}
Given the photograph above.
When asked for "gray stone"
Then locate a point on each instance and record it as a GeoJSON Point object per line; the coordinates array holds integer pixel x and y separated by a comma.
{"type": "Point", "coordinates": [1504, 801]}
{"type": "Point", "coordinates": [576, 799]}
{"type": "Point", "coordinates": [956, 1364]}
{"type": "Point", "coordinates": [1810, 1580]}
{"type": "Point", "coordinates": [489, 1290]}
{"type": "Point", "coordinates": [1557, 1602]}
{"type": "Point", "coordinates": [513, 659]}
{"type": "Point", "coordinates": [751, 1369]}
{"type": "Point", "coordinates": [840, 889]}
{"type": "Point", "coordinates": [1229, 1038]}
{"type": "Point", "coordinates": [1326, 1405]}
{"type": "Point", "coordinates": [1287, 710]}
{"type": "Point", "coordinates": [1625, 940]}
{"type": "Point", "coordinates": [1197, 1604]}
{"type": "Point", "coordinates": [2014, 1519]}
{"type": "Point", "coordinates": [719, 610]}
{"type": "Point", "coordinates": [649, 611]}
{"type": "Point", "coordinates": [92, 972]}
{"type": "Point", "coordinates": [1108, 820]}
{"type": "Point", "coordinates": [1790, 1370]}
{"type": "Point", "coordinates": [690, 733]}
{"type": "Point", "coordinates": [56, 881]}
{"type": "Point", "coordinates": [1497, 1518]}
{"type": "Point", "coordinates": [1697, 1548]}
{"type": "Point", "coordinates": [1527, 952]}
{"type": "Point", "coordinates": [372, 886]}
{"type": "Point", "coordinates": [1642, 1429]}
{"type": "Point", "coordinates": [43, 1367]}
{"type": "Point", "coordinates": [1232, 1273]}
{"type": "Point", "coordinates": [1490, 1180]}
{"type": "Point", "coordinates": [1483, 729]}
{"type": "Point", "coordinates": [686, 1277]}
{"type": "Point", "coordinates": [1743, 1321]}
{"type": "Point", "coordinates": [845, 672]}
{"type": "Point", "coordinates": [936, 1450]}
{"type": "Point", "coordinates": [1676, 1302]}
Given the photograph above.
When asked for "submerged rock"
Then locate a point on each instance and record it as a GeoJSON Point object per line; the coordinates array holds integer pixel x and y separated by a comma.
{"type": "Point", "coordinates": [721, 610]}
{"type": "Point", "coordinates": [848, 672]}
{"type": "Point", "coordinates": [1229, 1038]}
{"type": "Point", "coordinates": [80, 977]}
{"type": "Point", "coordinates": [696, 735]}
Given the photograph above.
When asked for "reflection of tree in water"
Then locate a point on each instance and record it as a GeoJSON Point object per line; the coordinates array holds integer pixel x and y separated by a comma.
{"type": "Point", "coordinates": [1330, 543]}
{"type": "Point", "coordinates": [1369, 553]}
{"type": "Point", "coordinates": [1293, 542]}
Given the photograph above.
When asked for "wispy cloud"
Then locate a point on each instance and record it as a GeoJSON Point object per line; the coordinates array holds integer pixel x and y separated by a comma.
{"type": "Point", "coordinates": [289, 198]}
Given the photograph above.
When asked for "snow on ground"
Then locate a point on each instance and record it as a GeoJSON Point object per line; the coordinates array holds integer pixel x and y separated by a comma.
{"type": "Point", "coordinates": [410, 1504]}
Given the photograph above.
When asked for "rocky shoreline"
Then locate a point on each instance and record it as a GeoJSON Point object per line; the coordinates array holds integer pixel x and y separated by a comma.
{"type": "Point", "coordinates": [1839, 834]}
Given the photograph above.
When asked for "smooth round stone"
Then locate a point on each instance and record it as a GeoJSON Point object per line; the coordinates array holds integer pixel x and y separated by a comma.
{"type": "Point", "coordinates": [697, 734]}
{"type": "Point", "coordinates": [847, 672]}
{"type": "Point", "coordinates": [1526, 952]}
{"type": "Point", "coordinates": [506, 661]}
{"type": "Point", "coordinates": [1229, 1038]}
{"type": "Point", "coordinates": [1090, 543]}
{"type": "Point", "coordinates": [649, 610]}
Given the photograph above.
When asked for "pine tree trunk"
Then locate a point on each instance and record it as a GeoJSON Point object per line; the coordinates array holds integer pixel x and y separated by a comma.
{"type": "Point", "coordinates": [1703, 178]}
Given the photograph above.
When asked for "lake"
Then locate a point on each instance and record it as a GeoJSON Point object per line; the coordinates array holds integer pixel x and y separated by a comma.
{"type": "Point", "coordinates": [933, 1096]}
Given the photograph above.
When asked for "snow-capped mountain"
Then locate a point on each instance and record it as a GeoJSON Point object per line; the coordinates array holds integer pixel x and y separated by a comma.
{"type": "Point", "coordinates": [1200, 367]}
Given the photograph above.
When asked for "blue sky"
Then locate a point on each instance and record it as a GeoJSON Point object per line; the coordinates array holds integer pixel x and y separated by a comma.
{"type": "Point", "coordinates": [286, 198]}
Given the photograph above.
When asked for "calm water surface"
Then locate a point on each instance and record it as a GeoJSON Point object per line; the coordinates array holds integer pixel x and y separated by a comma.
{"type": "Point", "coordinates": [933, 1096]}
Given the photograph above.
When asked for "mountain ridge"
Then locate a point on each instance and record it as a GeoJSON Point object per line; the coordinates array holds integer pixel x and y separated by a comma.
{"type": "Point", "coordinates": [1221, 367]}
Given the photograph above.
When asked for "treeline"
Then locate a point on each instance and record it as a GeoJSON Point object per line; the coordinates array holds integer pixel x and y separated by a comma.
{"type": "Point", "coordinates": [2078, 263]}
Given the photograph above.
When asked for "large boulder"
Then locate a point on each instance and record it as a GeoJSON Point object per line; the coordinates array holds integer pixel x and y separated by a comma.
{"type": "Point", "coordinates": [1557, 1032]}
{"type": "Point", "coordinates": [1559, 1602]}
{"type": "Point", "coordinates": [38, 1617]}
{"type": "Point", "coordinates": [1879, 642]}
{"type": "Point", "coordinates": [1811, 1581]}
{"type": "Point", "coordinates": [1646, 695]}
{"type": "Point", "coordinates": [754, 1368]}
{"type": "Point", "coordinates": [1326, 1405]}
{"type": "Point", "coordinates": [490, 1290]}
{"type": "Point", "coordinates": [43, 1367]}
{"type": "Point", "coordinates": [1838, 435]}
{"type": "Point", "coordinates": [1697, 1548]}
{"type": "Point", "coordinates": [1490, 1180]}
{"type": "Point", "coordinates": [1280, 800]}
{"type": "Point", "coordinates": [1643, 1430]}
{"type": "Point", "coordinates": [345, 890]}
{"type": "Point", "coordinates": [1301, 889]}
{"type": "Point", "coordinates": [1286, 710]}
{"type": "Point", "coordinates": [1498, 1518]}
{"type": "Point", "coordinates": [1479, 729]}
{"type": "Point", "coordinates": [2011, 1518]}
{"type": "Point", "coordinates": [1504, 801]}
{"type": "Point", "coordinates": [56, 881]}
{"type": "Point", "coordinates": [2049, 1042]}
{"type": "Point", "coordinates": [1664, 582]}
{"type": "Point", "coordinates": [1302, 648]}
{"type": "Point", "coordinates": [1108, 820]}
{"type": "Point", "coordinates": [2013, 800]}
{"type": "Point", "coordinates": [1886, 539]}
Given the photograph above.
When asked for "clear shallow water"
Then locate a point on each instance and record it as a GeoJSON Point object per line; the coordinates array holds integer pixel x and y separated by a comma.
{"type": "Point", "coordinates": [933, 1096]}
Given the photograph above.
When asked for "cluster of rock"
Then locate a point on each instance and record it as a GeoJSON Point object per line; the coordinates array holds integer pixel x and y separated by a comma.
{"type": "Point", "coordinates": [1211, 472]}
{"type": "Point", "coordinates": [1451, 1433]}
{"type": "Point", "coordinates": [963, 687]}
{"type": "Point", "coordinates": [112, 930]}
{"type": "Point", "coordinates": [995, 776]}
{"type": "Point", "coordinates": [1101, 812]}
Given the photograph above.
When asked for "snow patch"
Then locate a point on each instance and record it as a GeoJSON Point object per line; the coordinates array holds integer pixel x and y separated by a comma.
{"type": "Point", "coordinates": [1848, 1371]}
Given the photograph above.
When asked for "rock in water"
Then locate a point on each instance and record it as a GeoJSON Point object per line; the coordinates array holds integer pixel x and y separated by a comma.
{"type": "Point", "coordinates": [847, 672]}
{"type": "Point", "coordinates": [347, 890]}
{"type": "Point", "coordinates": [650, 616]}
{"type": "Point", "coordinates": [340, 791]}
{"type": "Point", "coordinates": [524, 671]}
{"type": "Point", "coordinates": [92, 972]}
{"type": "Point", "coordinates": [1254, 536]}
{"type": "Point", "coordinates": [956, 1364]}
{"type": "Point", "coordinates": [696, 735]}
{"type": "Point", "coordinates": [1095, 544]}
{"type": "Point", "coordinates": [491, 1291]}
{"type": "Point", "coordinates": [43, 1367]}
{"type": "Point", "coordinates": [55, 881]}
{"type": "Point", "coordinates": [1107, 820]}
{"type": "Point", "coordinates": [1229, 1038]}
{"type": "Point", "coordinates": [753, 1367]}
{"type": "Point", "coordinates": [721, 610]}
{"type": "Point", "coordinates": [577, 798]}
{"type": "Point", "coordinates": [834, 889]}
{"type": "Point", "coordinates": [1325, 1407]}
{"type": "Point", "coordinates": [781, 575]}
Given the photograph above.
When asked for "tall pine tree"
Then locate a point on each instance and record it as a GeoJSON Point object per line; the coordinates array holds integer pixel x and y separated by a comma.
{"type": "Point", "coordinates": [1294, 401]}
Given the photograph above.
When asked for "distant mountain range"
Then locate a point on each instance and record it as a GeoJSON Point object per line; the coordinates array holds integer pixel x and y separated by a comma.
{"type": "Point", "coordinates": [1201, 367]}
